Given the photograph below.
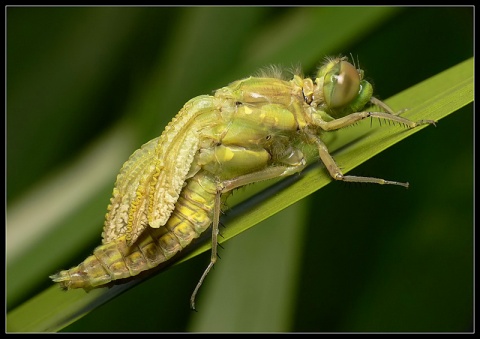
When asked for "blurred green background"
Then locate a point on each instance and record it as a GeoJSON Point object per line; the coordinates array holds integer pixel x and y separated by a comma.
{"type": "Point", "coordinates": [86, 86]}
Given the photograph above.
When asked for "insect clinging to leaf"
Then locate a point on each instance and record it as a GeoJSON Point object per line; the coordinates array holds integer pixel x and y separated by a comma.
{"type": "Point", "coordinates": [171, 190]}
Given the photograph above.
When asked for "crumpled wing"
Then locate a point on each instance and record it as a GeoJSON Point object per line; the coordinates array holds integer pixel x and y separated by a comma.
{"type": "Point", "coordinates": [150, 182]}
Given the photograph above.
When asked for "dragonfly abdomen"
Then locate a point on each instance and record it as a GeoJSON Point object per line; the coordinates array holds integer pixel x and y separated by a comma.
{"type": "Point", "coordinates": [116, 260]}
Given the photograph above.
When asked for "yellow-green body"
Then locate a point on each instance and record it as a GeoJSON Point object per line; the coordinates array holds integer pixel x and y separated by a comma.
{"type": "Point", "coordinates": [211, 140]}
{"type": "Point", "coordinates": [170, 190]}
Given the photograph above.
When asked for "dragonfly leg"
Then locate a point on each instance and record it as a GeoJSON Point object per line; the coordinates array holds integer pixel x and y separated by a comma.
{"type": "Point", "coordinates": [337, 174]}
{"type": "Point", "coordinates": [294, 162]}
{"type": "Point", "coordinates": [213, 257]}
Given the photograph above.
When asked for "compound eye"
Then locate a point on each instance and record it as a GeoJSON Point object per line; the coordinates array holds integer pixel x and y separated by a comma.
{"type": "Point", "coordinates": [342, 86]}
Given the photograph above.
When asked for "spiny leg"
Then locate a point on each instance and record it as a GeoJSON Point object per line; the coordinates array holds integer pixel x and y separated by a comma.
{"type": "Point", "coordinates": [337, 174]}
{"type": "Point", "coordinates": [355, 117]}
{"type": "Point", "coordinates": [352, 118]}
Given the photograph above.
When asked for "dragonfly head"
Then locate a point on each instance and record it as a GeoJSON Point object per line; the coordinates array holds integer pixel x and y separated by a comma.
{"type": "Point", "coordinates": [344, 90]}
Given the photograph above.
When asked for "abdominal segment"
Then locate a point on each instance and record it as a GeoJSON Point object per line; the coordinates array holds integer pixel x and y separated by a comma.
{"type": "Point", "coordinates": [116, 260]}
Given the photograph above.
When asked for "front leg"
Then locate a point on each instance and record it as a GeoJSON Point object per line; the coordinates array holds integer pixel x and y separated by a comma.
{"type": "Point", "coordinates": [352, 118]}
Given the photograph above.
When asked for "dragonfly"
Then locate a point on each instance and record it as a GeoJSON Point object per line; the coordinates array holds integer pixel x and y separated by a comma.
{"type": "Point", "coordinates": [170, 191]}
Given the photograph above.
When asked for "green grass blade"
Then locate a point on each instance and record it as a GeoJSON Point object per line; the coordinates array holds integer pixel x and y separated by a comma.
{"type": "Point", "coordinates": [433, 99]}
